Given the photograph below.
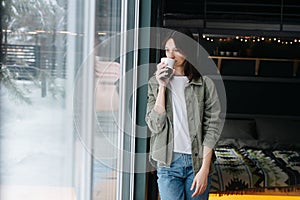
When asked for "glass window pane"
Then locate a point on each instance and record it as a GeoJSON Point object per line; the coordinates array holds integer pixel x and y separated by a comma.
{"type": "Point", "coordinates": [36, 146]}
{"type": "Point", "coordinates": [107, 71]}
{"type": "Point", "coordinates": [42, 98]}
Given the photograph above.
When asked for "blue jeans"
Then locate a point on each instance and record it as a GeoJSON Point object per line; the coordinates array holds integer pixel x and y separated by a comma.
{"type": "Point", "coordinates": [174, 183]}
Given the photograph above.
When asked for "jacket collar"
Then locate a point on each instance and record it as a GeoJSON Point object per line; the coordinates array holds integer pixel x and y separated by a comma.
{"type": "Point", "coordinates": [197, 82]}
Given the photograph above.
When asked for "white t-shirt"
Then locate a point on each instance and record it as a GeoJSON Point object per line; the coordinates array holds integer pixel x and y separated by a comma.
{"type": "Point", "coordinates": [182, 142]}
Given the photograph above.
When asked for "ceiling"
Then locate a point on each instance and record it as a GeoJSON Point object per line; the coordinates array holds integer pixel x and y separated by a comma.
{"type": "Point", "coordinates": [277, 17]}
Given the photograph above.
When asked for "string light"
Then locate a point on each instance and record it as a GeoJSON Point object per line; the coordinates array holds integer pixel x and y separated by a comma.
{"type": "Point", "coordinates": [251, 39]}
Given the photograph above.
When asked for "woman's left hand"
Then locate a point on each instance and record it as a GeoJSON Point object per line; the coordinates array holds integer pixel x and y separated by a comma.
{"type": "Point", "coordinates": [200, 182]}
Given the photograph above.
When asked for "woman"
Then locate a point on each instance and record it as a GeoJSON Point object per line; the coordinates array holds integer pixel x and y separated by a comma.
{"type": "Point", "coordinates": [183, 117]}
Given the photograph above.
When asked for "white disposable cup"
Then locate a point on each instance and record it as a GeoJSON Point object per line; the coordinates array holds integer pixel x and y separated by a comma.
{"type": "Point", "coordinates": [170, 64]}
{"type": "Point", "coordinates": [169, 61]}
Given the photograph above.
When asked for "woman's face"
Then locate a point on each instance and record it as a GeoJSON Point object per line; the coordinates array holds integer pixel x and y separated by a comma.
{"type": "Point", "coordinates": [174, 53]}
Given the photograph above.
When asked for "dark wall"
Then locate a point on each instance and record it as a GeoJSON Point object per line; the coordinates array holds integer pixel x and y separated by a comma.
{"type": "Point", "coordinates": [267, 97]}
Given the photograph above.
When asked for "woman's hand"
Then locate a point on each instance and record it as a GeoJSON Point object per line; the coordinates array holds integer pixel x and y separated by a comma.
{"type": "Point", "coordinates": [200, 182]}
{"type": "Point", "coordinates": [162, 73]}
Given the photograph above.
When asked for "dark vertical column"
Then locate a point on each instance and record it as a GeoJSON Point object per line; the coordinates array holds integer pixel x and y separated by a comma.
{"type": "Point", "coordinates": [145, 183]}
{"type": "Point", "coordinates": [281, 15]}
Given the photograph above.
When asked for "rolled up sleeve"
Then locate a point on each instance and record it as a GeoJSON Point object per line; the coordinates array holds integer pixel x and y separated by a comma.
{"type": "Point", "coordinates": [154, 120]}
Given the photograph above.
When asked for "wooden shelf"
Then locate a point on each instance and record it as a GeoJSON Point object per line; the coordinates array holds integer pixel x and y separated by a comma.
{"type": "Point", "coordinates": [257, 62]}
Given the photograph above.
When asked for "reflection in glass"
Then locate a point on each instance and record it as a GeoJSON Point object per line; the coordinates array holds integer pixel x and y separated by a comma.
{"type": "Point", "coordinates": [107, 73]}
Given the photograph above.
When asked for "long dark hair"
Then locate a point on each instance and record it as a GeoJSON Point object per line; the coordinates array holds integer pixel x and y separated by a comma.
{"type": "Point", "coordinates": [185, 42]}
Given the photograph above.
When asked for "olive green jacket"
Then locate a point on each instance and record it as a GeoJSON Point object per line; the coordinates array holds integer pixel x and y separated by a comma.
{"type": "Point", "coordinates": [203, 108]}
